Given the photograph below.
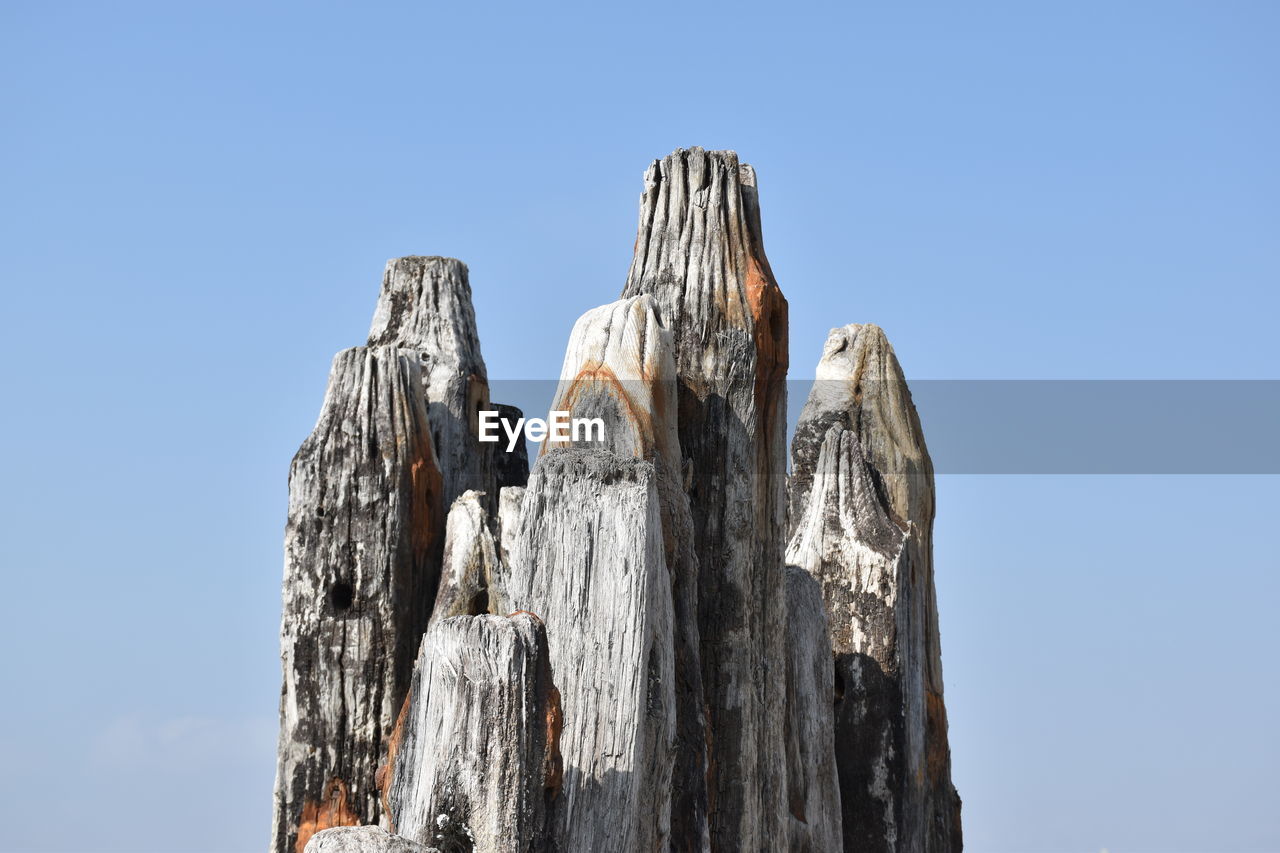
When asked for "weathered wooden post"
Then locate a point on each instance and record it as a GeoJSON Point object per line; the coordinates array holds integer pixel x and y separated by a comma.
{"type": "Point", "coordinates": [862, 506]}
{"type": "Point", "coordinates": [588, 560]}
{"type": "Point", "coordinates": [361, 565]}
{"type": "Point", "coordinates": [813, 788]}
{"type": "Point", "coordinates": [700, 255]}
{"type": "Point", "coordinates": [425, 307]}
{"type": "Point", "coordinates": [475, 764]}
{"type": "Point", "coordinates": [619, 367]}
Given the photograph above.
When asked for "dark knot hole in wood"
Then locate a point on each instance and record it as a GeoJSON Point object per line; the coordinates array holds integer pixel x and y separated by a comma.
{"type": "Point", "coordinates": [341, 596]}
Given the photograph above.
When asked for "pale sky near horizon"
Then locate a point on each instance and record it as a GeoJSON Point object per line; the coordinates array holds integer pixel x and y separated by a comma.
{"type": "Point", "coordinates": [196, 205]}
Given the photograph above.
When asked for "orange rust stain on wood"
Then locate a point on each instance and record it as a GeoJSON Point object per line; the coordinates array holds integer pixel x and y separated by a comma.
{"type": "Point", "coordinates": [769, 315]}
{"type": "Point", "coordinates": [428, 490]}
{"type": "Point", "coordinates": [555, 726]}
{"type": "Point", "coordinates": [331, 810]}
{"type": "Point", "coordinates": [526, 613]}
{"type": "Point", "coordinates": [595, 377]}
{"type": "Point", "coordinates": [385, 773]}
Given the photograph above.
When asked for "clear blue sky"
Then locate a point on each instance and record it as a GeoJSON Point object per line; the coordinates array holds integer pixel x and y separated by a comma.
{"type": "Point", "coordinates": [196, 204]}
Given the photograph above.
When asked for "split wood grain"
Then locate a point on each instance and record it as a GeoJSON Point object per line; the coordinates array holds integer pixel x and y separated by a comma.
{"type": "Point", "coordinates": [425, 306]}
{"type": "Point", "coordinates": [699, 253]}
{"type": "Point", "coordinates": [862, 504]}
{"type": "Point", "coordinates": [619, 367]}
{"type": "Point", "coordinates": [589, 561]}
{"type": "Point", "coordinates": [361, 567]}
{"type": "Point", "coordinates": [475, 763]}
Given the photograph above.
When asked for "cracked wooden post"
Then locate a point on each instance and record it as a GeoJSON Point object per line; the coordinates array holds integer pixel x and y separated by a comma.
{"type": "Point", "coordinates": [510, 504]}
{"type": "Point", "coordinates": [470, 563]}
{"type": "Point", "coordinates": [700, 255]}
{"type": "Point", "coordinates": [360, 572]}
{"type": "Point", "coordinates": [475, 762]}
{"type": "Point", "coordinates": [589, 560]}
{"type": "Point", "coordinates": [862, 506]}
{"type": "Point", "coordinates": [425, 306]}
{"type": "Point", "coordinates": [619, 366]}
{"type": "Point", "coordinates": [813, 789]}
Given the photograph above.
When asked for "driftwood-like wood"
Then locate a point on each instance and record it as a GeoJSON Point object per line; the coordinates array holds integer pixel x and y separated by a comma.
{"type": "Point", "coordinates": [470, 559]}
{"type": "Point", "coordinates": [700, 255]}
{"type": "Point", "coordinates": [589, 560]}
{"type": "Point", "coordinates": [475, 765]}
{"type": "Point", "coordinates": [361, 566]}
{"type": "Point", "coordinates": [363, 839]}
{"type": "Point", "coordinates": [425, 306]}
{"type": "Point", "coordinates": [510, 503]}
{"type": "Point", "coordinates": [862, 505]}
{"type": "Point", "coordinates": [619, 367]}
{"type": "Point", "coordinates": [653, 641]}
{"type": "Point", "coordinates": [813, 789]}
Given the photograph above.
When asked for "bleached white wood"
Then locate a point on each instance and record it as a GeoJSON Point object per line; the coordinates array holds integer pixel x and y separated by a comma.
{"type": "Point", "coordinates": [862, 515]}
{"type": "Point", "coordinates": [425, 306]}
{"type": "Point", "coordinates": [470, 564]}
{"type": "Point", "coordinates": [475, 763]}
{"type": "Point", "coordinates": [588, 560]}
{"type": "Point", "coordinates": [362, 839]}
{"type": "Point", "coordinates": [619, 367]}
{"type": "Point", "coordinates": [510, 502]}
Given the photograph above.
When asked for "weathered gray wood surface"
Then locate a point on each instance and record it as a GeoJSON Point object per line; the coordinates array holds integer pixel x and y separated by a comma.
{"type": "Point", "coordinates": [619, 366]}
{"type": "Point", "coordinates": [700, 255]}
{"type": "Point", "coordinates": [711, 696]}
{"type": "Point", "coordinates": [425, 306]}
{"type": "Point", "coordinates": [361, 566]}
{"type": "Point", "coordinates": [475, 762]}
{"type": "Point", "coordinates": [470, 559]}
{"type": "Point", "coordinates": [363, 839]}
{"type": "Point", "coordinates": [813, 789]}
{"type": "Point", "coordinates": [862, 515]}
{"type": "Point", "coordinates": [510, 504]}
{"type": "Point", "coordinates": [589, 561]}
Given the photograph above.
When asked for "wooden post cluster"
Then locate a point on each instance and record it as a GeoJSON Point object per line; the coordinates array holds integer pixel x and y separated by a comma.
{"type": "Point", "coordinates": [655, 640]}
{"type": "Point", "coordinates": [368, 494]}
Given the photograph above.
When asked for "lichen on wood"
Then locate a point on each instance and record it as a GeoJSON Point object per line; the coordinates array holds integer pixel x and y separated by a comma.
{"type": "Point", "coordinates": [425, 307]}
{"type": "Point", "coordinates": [474, 764]}
{"type": "Point", "coordinates": [589, 562]}
{"type": "Point", "coordinates": [862, 504]}
{"type": "Point", "coordinates": [654, 640]}
{"type": "Point", "coordinates": [700, 255]}
{"type": "Point", "coordinates": [361, 567]}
